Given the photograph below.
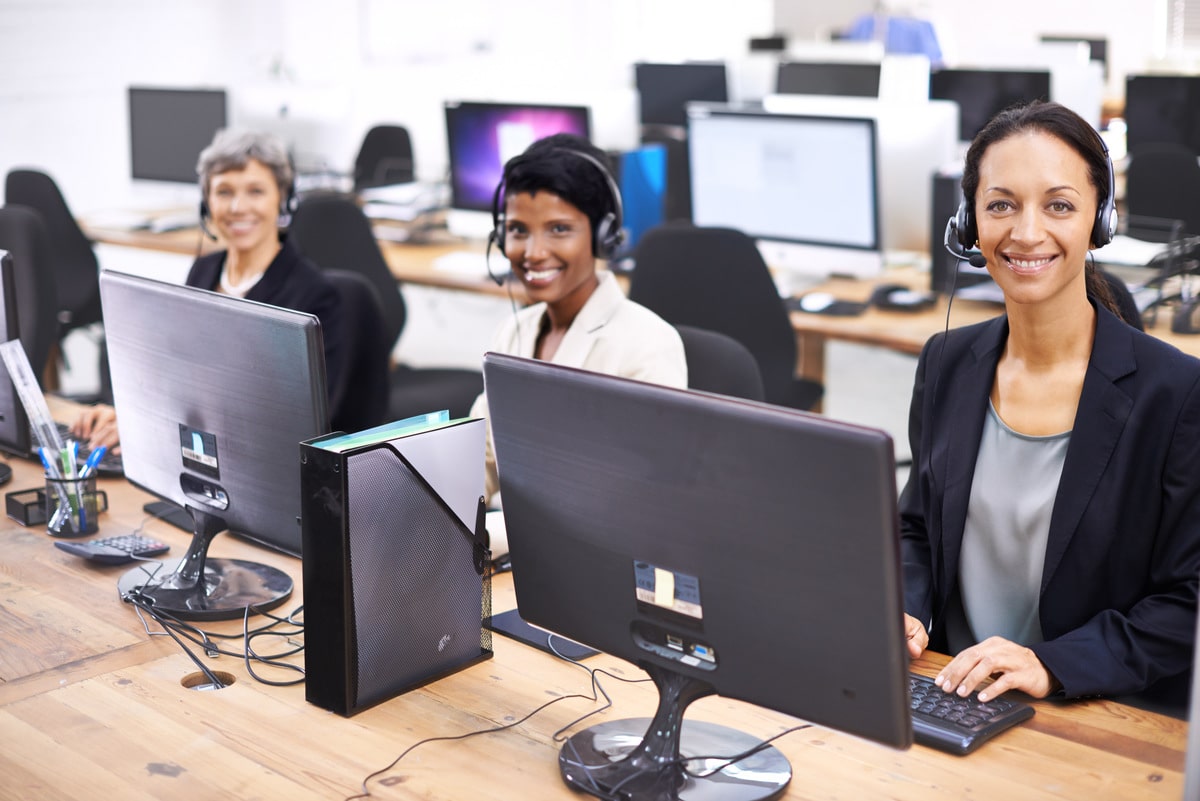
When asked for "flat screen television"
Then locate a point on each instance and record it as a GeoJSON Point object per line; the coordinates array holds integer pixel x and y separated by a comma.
{"type": "Point", "coordinates": [15, 437]}
{"type": "Point", "coordinates": [1162, 109]}
{"type": "Point", "coordinates": [842, 78]}
{"type": "Point", "coordinates": [169, 127]}
{"type": "Point", "coordinates": [804, 186]}
{"type": "Point", "coordinates": [982, 93]}
{"type": "Point", "coordinates": [214, 395]}
{"type": "Point", "coordinates": [664, 90]}
{"type": "Point", "coordinates": [483, 136]}
{"type": "Point", "coordinates": [724, 546]}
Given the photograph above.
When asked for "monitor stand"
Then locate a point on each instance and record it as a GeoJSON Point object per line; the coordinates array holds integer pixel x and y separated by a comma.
{"type": "Point", "coordinates": [228, 587]}
{"type": "Point", "coordinates": [640, 759]}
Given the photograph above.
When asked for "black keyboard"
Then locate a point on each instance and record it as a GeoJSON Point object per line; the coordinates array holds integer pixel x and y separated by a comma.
{"type": "Point", "coordinates": [948, 722]}
{"type": "Point", "coordinates": [115, 550]}
{"type": "Point", "coordinates": [110, 464]}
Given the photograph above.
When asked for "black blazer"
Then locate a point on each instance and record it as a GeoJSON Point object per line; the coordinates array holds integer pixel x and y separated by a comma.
{"type": "Point", "coordinates": [1118, 595]}
{"type": "Point", "coordinates": [293, 282]}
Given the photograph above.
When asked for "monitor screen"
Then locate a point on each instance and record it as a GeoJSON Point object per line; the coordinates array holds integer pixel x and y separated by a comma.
{"type": "Point", "coordinates": [808, 183]}
{"type": "Point", "coordinates": [664, 90]}
{"type": "Point", "coordinates": [982, 93]}
{"type": "Point", "coordinates": [483, 136]}
{"type": "Point", "coordinates": [169, 127]}
{"type": "Point", "coordinates": [848, 79]}
{"type": "Point", "coordinates": [214, 395]}
{"type": "Point", "coordinates": [1162, 109]}
{"type": "Point", "coordinates": [14, 425]}
{"type": "Point", "coordinates": [745, 549]}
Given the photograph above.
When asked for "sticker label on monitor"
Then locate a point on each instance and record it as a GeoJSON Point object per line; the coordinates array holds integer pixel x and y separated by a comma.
{"type": "Point", "coordinates": [199, 451]}
{"type": "Point", "coordinates": [659, 588]}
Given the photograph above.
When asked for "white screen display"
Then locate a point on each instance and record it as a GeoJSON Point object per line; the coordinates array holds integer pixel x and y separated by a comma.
{"type": "Point", "coordinates": [784, 177]}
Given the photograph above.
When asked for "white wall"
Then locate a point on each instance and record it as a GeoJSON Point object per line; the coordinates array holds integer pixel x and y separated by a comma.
{"type": "Point", "coordinates": [336, 68]}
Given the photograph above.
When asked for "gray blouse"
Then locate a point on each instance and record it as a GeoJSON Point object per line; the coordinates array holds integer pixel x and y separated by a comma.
{"type": "Point", "coordinates": [1004, 540]}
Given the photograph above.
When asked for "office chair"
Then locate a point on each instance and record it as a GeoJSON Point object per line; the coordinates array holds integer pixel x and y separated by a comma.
{"type": "Point", "coordinates": [384, 157]}
{"type": "Point", "coordinates": [715, 278]}
{"type": "Point", "coordinates": [72, 261]}
{"type": "Point", "coordinates": [333, 231]}
{"type": "Point", "coordinates": [1126, 306]}
{"type": "Point", "coordinates": [719, 363]}
{"type": "Point", "coordinates": [1162, 182]}
{"type": "Point", "coordinates": [23, 234]}
{"type": "Point", "coordinates": [361, 401]}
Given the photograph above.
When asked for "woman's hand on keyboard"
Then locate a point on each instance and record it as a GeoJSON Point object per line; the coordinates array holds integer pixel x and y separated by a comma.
{"type": "Point", "coordinates": [97, 425]}
{"type": "Point", "coordinates": [1016, 668]}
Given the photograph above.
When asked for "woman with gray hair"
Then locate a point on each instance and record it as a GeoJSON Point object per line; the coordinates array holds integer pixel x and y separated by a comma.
{"type": "Point", "coordinates": [246, 201]}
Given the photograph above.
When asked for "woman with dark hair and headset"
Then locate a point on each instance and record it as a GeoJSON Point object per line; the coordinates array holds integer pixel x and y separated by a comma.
{"type": "Point", "coordinates": [1051, 522]}
{"type": "Point", "coordinates": [557, 211]}
{"type": "Point", "coordinates": [246, 181]}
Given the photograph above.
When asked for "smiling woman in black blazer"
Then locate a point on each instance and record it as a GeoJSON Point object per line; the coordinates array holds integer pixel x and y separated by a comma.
{"type": "Point", "coordinates": [1051, 521]}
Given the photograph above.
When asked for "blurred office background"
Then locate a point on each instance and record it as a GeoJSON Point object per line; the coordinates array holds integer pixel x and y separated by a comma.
{"type": "Point", "coordinates": [322, 73]}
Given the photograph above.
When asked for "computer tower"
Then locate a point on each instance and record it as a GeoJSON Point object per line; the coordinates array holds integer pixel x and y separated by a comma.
{"type": "Point", "coordinates": [947, 191]}
{"type": "Point", "coordinates": [396, 575]}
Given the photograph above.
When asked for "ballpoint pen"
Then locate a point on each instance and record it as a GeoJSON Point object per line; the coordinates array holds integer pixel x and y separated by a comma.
{"type": "Point", "coordinates": [93, 459]}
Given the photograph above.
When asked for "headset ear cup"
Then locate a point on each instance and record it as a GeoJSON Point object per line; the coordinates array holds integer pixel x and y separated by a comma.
{"type": "Point", "coordinates": [497, 235]}
{"type": "Point", "coordinates": [203, 209]}
{"type": "Point", "coordinates": [602, 241]}
{"type": "Point", "coordinates": [964, 225]}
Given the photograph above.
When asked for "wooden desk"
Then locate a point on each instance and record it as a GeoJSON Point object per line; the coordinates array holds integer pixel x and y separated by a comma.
{"type": "Point", "coordinates": [91, 707]}
{"type": "Point", "coordinates": [906, 332]}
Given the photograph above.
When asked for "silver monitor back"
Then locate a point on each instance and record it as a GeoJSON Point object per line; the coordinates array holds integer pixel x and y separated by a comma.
{"type": "Point", "coordinates": [214, 395]}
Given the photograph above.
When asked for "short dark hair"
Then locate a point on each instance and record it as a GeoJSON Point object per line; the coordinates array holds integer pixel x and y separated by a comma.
{"type": "Point", "coordinates": [553, 165]}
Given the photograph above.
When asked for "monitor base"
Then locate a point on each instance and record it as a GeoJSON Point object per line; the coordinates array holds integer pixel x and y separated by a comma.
{"type": "Point", "coordinates": [589, 763]}
{"type": "Point", "coordinates": [230, 585]}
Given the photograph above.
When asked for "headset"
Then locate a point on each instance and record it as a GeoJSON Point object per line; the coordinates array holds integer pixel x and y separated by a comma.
{"type": "Point", "coordinates": [609, 234]}
{"type": "Point", "coordinates": [962, 231]}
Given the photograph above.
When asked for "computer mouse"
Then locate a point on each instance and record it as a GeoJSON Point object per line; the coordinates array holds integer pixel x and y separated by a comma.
{"type": "Point", "coordinates": [816, 301]}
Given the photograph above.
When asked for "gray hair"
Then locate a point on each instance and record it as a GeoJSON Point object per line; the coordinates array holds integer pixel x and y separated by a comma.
{"type": "Point", "coordinates": [233, 150]}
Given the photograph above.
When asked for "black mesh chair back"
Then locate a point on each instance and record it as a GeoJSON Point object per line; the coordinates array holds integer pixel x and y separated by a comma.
{"type": "Point", "coordinates": [1162, 182]}
{"type": "Point", "coordinates": [332, 230]}
{"type": "Point", "coordinates": [719, 363]}
{"type": "Point", "coordinates": [71, 259]}
{"type": "Point", "coordinates": [362, 399]}
{"type": "Point", "coordinates": [715, 278]}
{"type": "Point", "coordinates": [23, 234]}
{"type": "Point", "coordinates": [384, 157]}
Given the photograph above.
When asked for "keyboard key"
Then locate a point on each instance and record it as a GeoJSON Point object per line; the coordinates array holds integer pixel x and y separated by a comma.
{"type": "Point", "coordinates": [959, 725]}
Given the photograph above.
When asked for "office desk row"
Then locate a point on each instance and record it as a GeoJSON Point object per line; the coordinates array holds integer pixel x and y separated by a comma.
{"type": "Point", "coordinates": [904, 332]}
{"type": "Point", "coordinates": [93, 704]}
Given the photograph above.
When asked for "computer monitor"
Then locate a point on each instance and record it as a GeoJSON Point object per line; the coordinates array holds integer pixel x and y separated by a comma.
{"type": "Point", "coordinates": [724, 546]}
{"type": "Point", "coordinates": [169, 127]}
{"type": "Point", "coordinates": [1162, 109]}
{"type": "Point", "coordinates": [14, 424]}
{"type": "Point", "coordinates": [843, 78]}
{"type": "Point", "coordinates": [214, 395]}
{"type": "Point", "coordinates": [483, 136]}
{"type": "Point", "coordinates": [982, 93]}
{"type": "Point", "coordinates": [664, 90]}
{"type": "Point", "coordinates": [804, 186]}
{"type": "Point", "coordinates": [641, 176]}
{"type": "Point", "coordinates": [915, 141]}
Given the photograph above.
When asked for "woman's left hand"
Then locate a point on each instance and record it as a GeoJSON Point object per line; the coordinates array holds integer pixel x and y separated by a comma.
{"type": "Point", "coordinates": [1015, 666]}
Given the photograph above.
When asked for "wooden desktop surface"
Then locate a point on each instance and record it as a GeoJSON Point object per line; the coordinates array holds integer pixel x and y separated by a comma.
{"type": "Point", "coordinates": [92, 707]}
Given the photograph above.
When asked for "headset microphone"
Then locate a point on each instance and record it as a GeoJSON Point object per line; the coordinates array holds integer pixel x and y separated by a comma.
{"type": "Point", "coordinates": [958, 250]}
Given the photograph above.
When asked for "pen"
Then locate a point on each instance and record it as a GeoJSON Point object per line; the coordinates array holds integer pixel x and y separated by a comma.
{"type": "Point", "coordinates": [51, 471]}
{"type": "Point", "coordinates": [93, 459]}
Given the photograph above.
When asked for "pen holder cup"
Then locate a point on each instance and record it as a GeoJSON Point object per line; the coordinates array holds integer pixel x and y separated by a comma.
{"type": "Point", "coordinates": [80, 504]}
